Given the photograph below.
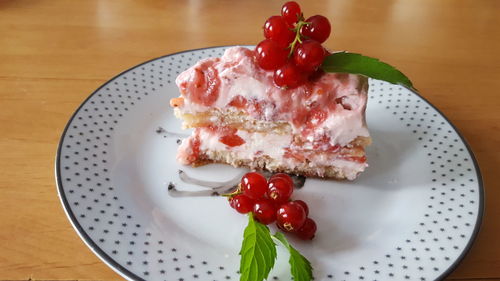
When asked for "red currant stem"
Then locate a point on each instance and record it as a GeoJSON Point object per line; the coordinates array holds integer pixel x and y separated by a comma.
{"type": "Point", "coordinates": [232, 194]}
{"type": "Point", "coordinates": [237, 191]}
{"type": "Point", "coordinates": [297, 38]}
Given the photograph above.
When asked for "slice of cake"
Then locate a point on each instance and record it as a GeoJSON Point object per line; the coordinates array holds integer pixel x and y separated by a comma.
{"type": "Point", "coordinates": [241, 118]}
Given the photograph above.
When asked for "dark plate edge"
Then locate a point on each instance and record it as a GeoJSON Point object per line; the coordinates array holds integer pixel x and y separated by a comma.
{"type": "Point", "coordinates": [479, 218]}
{"type": "Point", "coordinates": [131, 276]}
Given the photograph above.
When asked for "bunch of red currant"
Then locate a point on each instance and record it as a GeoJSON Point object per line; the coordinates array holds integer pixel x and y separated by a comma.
{"type": "Point", "coordinates": [269, 201]}
{"type": "Point", "coordinates": [292, 48]}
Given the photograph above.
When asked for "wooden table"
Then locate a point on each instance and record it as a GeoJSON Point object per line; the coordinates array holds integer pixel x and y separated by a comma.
{"type": "Point", "coordinates": [54, 53]}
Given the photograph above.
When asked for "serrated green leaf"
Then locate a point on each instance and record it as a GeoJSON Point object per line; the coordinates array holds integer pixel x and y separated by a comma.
{"type": "Point", "coordinates": [300, 267]}
{"type": "Point", "coordinates": [344, 62]}
{"type": "Point", "coordinates": [258, 252]}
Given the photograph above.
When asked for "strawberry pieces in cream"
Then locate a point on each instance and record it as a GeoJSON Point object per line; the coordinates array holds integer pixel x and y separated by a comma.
{"type": "Point", "coordinates": [315, 129]}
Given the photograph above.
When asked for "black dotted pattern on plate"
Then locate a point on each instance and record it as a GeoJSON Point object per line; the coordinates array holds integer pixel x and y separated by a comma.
{"type": "Point", "coordinates": [446, 227]}
{"type": "Point", "coordinates": [94, 200]}
{"type": "Point", "coordinates": [84, 182]}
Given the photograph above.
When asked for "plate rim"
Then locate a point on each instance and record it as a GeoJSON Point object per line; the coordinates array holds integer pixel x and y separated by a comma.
{"type": "Point", "coordinates": [479, 219]}
{"type": "Point", "coordinates": [127, 274]}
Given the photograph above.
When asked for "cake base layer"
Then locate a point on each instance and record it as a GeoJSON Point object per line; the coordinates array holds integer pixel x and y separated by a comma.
{"type": "Point", "coordinates": [267, 163]}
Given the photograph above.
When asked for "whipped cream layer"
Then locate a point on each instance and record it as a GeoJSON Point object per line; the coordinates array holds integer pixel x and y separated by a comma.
{"type": "Point", "coordinates": [277, 150]}
{"type": "Point", "coordinates": [330, 106]}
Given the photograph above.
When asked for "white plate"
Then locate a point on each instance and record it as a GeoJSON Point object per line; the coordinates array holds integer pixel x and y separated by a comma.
{"type": "Point", "coordinates": [413, 214]}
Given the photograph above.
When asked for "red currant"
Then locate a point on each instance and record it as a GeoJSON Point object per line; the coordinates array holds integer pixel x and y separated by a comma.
{"type": "Point", "coordinates": [241, 203]}
{"type": "Point", "coordinates": [279, 190]}
{"type": "Point", "coordinates": [282, 175]}
{"type": "Point", "coordinates": [319, 28]}
{"type": "Point", "coordinates": [264, 211]}
{"type": "Point", "coordinates": [269, 55]}
{"type": "Point", "coordinates": [291, 216]}
{"type": "Point", "coordinates": [308, 230]}
{"type": "Point", "coordinates": [291, 12]}
{"type": "Point", "coordinates": [289, 76]}
{"type": "Point", "coordinates": [316, 75]}
{"type": "Point", "coordinates": [254, 185]}
{"type": "Point", "coordinates": [304, 206]}
{"type": "Point", "coordinates": [281, 227]}
{"type": "Point", "coordinates": [309, 55]}
{"type": "Point", "coordinates": [277, 30]}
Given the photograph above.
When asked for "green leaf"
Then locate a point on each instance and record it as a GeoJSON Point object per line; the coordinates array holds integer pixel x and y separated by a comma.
{"type": "Point", "coordinates": [300, 267]}
{"type": "Point", "coordinates": [258, 252]}
{"type": "Point", "coordinates": [358, 64]}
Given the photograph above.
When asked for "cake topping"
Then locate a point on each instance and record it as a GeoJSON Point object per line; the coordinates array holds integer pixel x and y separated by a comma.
{"type": "Point", "coordinates": [291, 12]}
{"type": "Point", "coordinates": [270, 55]}
{"type": "Point", "coordinates": [318, 28]}
{"type": "Point", "coordinates": [279, 31]}
{"type": "Point", "coordinates": [292, 48]}
{"type": "Point", "coordinates": [204, 86]}
{"type": "Point", "coordinates": [289, 76]}
{"type": "Point", "coordinates": [309, 55]}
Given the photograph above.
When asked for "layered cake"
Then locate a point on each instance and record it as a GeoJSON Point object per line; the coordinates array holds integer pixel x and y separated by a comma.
{"type": "Point", "coordinates": [240, 117]}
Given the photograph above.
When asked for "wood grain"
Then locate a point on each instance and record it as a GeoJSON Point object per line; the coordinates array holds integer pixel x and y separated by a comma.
{"type": "Point", "coordinates": [55, 53]}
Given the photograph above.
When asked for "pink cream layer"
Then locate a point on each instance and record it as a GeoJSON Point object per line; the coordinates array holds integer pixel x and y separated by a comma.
{"type": "Point", "coordinates": [331, 106]}
{"type": "Point", "coordinates": [235, 146]}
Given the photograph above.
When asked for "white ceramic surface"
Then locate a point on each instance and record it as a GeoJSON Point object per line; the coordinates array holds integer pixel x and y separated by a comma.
{"type": "Point", "coordinates": [412, 214]}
